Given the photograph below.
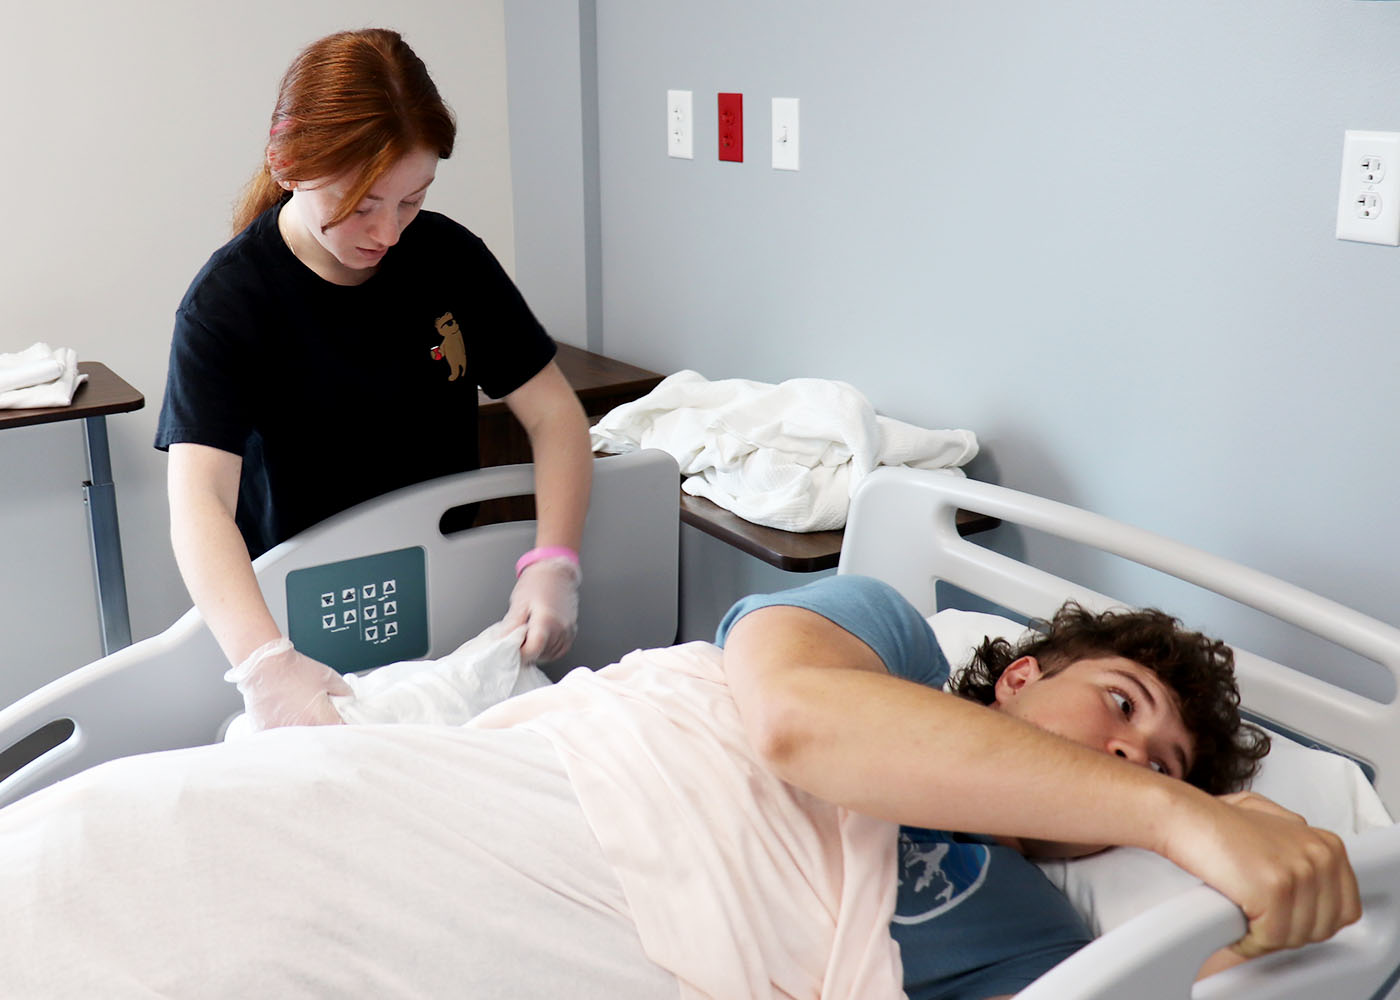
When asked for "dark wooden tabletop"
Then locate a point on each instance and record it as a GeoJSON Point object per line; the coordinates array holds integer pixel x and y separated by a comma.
{"type": "Point", "coordinates": [794, 551]}
{"type": "Point", "coordinates": [602, 383]}
{"type": "Point", "coordinates": [594, 378]}
{"type": "Point", "coordinates": [104, 392]}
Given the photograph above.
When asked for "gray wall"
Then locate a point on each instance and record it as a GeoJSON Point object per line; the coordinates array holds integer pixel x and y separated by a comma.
{"type": "Point", "coordinates": [547, 111]}
{"type": "Point", "coordinates": [1099, 234]}
{"type": "Point", "coordinates": [128, 130]}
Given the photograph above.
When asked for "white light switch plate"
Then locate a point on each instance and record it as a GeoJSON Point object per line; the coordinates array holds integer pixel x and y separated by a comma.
{"type": "Point", "coordinates": [1368, 202]}
{"type": "Point", "coordinates": [785, 134]}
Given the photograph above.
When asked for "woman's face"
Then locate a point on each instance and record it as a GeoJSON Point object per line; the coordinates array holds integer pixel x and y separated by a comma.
{"type": "Point", "coordinates": [348, 252]}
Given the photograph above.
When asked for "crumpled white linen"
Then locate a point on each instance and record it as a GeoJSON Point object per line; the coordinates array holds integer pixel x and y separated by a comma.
{"type": "Point", "coordinates": [786, 456]}
{"type": "Point", "coordinates": [448, 691]}
{"type": "Point", "coordinates": [39, 376]}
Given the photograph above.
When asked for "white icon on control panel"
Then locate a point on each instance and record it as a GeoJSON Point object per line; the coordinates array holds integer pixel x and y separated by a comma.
{"type": "Point", "coordinates": [371, 612]}
{"type": "Point", "coordinates": [347, 595]}
{"type": "Point", "coordinates": [391, 608]}
{"type": "Point", "coordinates": [371, 633]}
{"type": "Point", "coordinates": [367, 591]}
{"type": "Point", "coordinates": [328, 621]}
{"type": "Point", "coordinates": [351, 617]}
{"type": "Point", "coordinates": [390, 587]}
{"type": "Point", "coordinates": [391, 629]}
{"type": "Point", "coordinates": [328, 600]}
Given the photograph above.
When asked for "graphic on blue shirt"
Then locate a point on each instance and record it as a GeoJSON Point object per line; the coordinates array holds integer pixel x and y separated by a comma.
{"type": "Point", "coordinates": [936, 873]}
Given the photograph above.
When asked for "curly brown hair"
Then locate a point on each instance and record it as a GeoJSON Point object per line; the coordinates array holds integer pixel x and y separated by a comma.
{"type": "Point", "coordinates": [1199, 670]}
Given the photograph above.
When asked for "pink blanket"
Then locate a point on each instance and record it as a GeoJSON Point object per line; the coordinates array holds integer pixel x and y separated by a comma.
{"type": "Point", "coordinates": [741, 885]}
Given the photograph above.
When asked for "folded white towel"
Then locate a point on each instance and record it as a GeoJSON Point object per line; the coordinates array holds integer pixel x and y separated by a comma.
{"type": "Point", "coordinates": [787, 456]}
{"type": "Point", "coordinates": [39, 376]}
{"type": "Point", "coordinates": [21, 375]}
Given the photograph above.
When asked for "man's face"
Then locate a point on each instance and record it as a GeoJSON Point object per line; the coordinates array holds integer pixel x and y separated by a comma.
{"type": "Point", "coordinates": [1105, 703]}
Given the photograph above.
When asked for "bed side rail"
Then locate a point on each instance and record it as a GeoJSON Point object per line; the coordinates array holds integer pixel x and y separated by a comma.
{"type": "Point", "coordinates": [168, 691]}
{"type": "Point", "coordinates": [902, 530]}
{"type": "Point", "coordinates": [1156, 955]}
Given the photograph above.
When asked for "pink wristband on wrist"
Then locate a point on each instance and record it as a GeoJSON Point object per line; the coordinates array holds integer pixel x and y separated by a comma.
{"type": "Point", "coordinates": [545, 552]}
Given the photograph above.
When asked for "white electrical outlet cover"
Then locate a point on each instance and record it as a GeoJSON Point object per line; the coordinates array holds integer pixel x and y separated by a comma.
{"type": "Point", "coordinates": [1368, 199]}
{"type": "Point", "coordinates": [680, 125]}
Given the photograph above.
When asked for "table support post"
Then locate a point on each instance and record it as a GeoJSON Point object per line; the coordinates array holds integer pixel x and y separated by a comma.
{"type": "Point", "coordinates": [100, 496]}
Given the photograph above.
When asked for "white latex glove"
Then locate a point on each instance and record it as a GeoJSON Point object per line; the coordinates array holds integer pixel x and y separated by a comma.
{"type": "Point", "coordinates": [545, 600]}
{"type": "Point", "coordinates": [281, 687]}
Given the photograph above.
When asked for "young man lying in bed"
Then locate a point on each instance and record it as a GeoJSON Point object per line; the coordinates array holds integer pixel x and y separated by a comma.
{"type": "Point", "coordinates": [1127, 685]}
{"type": "Point", "coordinates": [704, 820]}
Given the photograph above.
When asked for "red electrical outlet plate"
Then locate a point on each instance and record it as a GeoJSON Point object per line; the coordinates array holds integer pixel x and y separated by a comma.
{"type": "Point", "coordinates": [731, 127]}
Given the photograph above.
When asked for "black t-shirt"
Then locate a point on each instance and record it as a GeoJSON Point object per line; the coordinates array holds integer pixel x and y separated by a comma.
{"type": "Point", "coordinates": [336, 394]}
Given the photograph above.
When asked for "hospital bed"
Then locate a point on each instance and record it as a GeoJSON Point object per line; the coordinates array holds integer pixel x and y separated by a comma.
{"type": "Point", "coordinates": [166, 691]}
{"type": "Point", "coordinates": [902, 529]}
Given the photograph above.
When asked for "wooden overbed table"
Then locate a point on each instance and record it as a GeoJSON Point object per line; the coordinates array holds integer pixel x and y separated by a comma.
{"type": "Point", "coordinates": [603, 383]}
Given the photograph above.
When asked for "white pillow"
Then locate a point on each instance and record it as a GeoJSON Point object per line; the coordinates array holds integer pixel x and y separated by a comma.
{"type": "Point", "coordinates": [1116, 885]}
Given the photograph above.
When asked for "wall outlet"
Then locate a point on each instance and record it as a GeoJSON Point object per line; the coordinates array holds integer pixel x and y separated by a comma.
{"type": "Point", "coordinates": [1368, 203]}
{"type": "Point", "coordinates": [680, 125]}
{"type": "Point", "coordinates": [731, 127]}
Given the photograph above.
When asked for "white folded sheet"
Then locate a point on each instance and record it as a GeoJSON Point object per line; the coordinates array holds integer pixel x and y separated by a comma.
{"type": "Point", "coordinates": [21, 375]}
{"type": "Point", "coordinates": [787, 456]}
{"type": "Point", "coordinates": [39, 376]}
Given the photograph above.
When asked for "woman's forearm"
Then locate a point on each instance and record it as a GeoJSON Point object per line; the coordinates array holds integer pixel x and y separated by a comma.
{"type": "Point", "coordinates": [558, 430]}
{"type": "Point", "coordinates": [211, 553]}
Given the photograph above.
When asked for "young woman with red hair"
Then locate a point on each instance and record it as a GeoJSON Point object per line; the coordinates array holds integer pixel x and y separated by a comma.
{"type": "Point", "coordinates": [331, 352]}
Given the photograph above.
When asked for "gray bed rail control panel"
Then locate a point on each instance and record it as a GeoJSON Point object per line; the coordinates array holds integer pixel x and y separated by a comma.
{"type": "Point", "coordinates": [361, 613]}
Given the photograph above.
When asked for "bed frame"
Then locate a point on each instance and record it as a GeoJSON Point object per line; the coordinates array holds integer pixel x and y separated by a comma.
{"type": "Point", "coordinates": [902, 530]}
{"type": "Point", "coordinates": [168, 691]}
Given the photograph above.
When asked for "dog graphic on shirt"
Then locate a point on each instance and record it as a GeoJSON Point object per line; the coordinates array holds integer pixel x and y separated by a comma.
{"type": "Point", "coordinates": [451, 347]}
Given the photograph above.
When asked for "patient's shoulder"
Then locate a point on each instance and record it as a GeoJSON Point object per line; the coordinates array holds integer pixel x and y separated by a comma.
{"type": "Point", "coordinates": [869, 609]}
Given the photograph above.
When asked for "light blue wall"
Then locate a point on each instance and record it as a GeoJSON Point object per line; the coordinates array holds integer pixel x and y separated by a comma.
{"type": "Point", "coordinates": [1100, 234]}
{"type": "Point", "coordinates": [549, 118]}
